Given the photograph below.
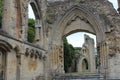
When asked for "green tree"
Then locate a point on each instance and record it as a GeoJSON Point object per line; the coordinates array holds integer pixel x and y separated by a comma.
{"type": "Point", "coordinates": [0, 13]}
{"type": "Point", "coordinates": [77, 50]}
{"type": "Point", "coordinates": [69, 53]}
{"type": "Point", "coordinates": [31, 30]}
{"type": "Point", "coordinates": [31, 22]}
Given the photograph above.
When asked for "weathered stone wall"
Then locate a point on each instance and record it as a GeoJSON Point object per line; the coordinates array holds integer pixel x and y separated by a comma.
{"type": "Point", "coordinates": [32, 68]}
{"type": "Point", "coordinates": [57, 59]}
{"type": "Point", "coordinates": [24, 61]}
{"type": "Point", "coordinates": [11, 65]}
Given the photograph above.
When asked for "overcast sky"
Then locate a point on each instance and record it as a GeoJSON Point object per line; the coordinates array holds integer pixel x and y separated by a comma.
{"type": "Point", "coordinates": [76, 39]}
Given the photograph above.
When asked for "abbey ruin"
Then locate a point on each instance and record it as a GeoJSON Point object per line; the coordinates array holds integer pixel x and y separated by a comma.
{"type": "Point", "coordinates": [54, 20]}
{"type": "Point", "coordinates": [86, 62]}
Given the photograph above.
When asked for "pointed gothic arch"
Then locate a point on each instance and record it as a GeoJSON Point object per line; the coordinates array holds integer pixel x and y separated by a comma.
{"type": "Point", "coordinates": [83, 14]}
{"type": "Point", "coordinates": [38, 28]}
{"type": "Point", "coordinates": [36, 9]}
{"type": "Point", "coordinates": [4, 48]}
{"type": "Point", "coordinates": [86, 15]}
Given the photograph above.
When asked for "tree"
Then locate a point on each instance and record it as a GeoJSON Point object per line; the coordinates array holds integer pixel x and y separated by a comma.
{"type": "Point", "coordinates": [31, 23]}
{"type": "Point", "coordinates": [77, 50]}
{"type": "Point", "coordinates": [31, 30]}
{"type": "Point", "coordinates": [69, 53]}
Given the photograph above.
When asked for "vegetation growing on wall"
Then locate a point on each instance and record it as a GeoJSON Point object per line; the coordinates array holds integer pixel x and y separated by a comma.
{"type": "Point", "coordinates": [31, 30]}
{"type": "Point", "coordinates": [0, 13]}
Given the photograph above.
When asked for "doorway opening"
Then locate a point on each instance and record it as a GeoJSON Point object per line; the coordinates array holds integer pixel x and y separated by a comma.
{"type": "Point", "coordinates": [80, 53]}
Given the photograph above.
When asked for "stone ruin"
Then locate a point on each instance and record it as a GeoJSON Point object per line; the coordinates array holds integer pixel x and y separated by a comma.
{"type": "Point", "coordinates": [86, 60]}
{"type": "Point", "coordinates": [43, 59]}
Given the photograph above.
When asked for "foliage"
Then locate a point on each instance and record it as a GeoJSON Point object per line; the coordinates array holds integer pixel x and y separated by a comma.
{"type": "Point", "coordinates": [0, 13]}
{"type": "Point", "coordinates": [31, 30]}
{"type": "Point", "coordinates": [78, 50]}
{"type": "Point", "coordinates": [31, 23]}
{"type": "Point", "coordinates": [69, 53]}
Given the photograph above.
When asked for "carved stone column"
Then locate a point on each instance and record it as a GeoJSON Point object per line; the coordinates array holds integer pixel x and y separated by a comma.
{"type": "Point", "coordinates": [18, 56]}
{"type": "Point", "coordinates": [56, 59]}
{"type": "Point", "coordinates": [104, 50]}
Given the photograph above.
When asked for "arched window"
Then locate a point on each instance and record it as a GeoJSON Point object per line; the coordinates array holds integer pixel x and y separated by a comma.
{"type": "Point", "coordinates": [34, 23]}
{"type": "Point", "coordinates": [31, 25]}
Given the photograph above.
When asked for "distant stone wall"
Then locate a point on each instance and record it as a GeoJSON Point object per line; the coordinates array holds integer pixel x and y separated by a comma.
{"type": "Point", "coordinates": [88, 53]}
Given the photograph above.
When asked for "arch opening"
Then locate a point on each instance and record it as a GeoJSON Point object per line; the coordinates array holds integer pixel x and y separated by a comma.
{"type": "Point", "coordinates": [34, 23]}
{"type": "Point", "coordinates": [76, 47]}
{"type": "Point", "coordinates": [78, 18]}
{"type": "Point", "coordinates": [31, 25]}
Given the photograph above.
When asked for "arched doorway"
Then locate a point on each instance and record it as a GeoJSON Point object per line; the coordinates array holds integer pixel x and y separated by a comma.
{"type": "Point", "coordinates": [4, 48]}
{"type": "Point", "coordinates": [76, 19]}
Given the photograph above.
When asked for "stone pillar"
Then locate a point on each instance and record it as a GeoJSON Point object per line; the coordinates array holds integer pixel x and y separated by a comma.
{"type": "Point", "coordinates": [18, 56]}
{"type": "Point", "coordinates": [56, 59]}
{"type": "Point", "coordinates": [104, 59]}
{"type": "Point", "coordinates": [39, 33]}
{"type": "Point", "coordinates": [11, 18]}
{"type": "Point", "coordinates": [38, 30]}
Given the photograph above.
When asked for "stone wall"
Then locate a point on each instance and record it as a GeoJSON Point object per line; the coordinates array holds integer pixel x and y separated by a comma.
{"type": "Point", "coordinates": [11, 65]}
{"type": "Point", "coordinates": [32, 68]}
{"type": "Point", "coordinates": [23, 61]}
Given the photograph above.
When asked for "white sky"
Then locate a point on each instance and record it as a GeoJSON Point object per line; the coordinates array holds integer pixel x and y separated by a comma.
{"type": "Point", "coordinates": [76, 39]}
{"type": "Point", "coordinates": [30, 12]}
{"type": "Point", "coordinates": [115, 4]}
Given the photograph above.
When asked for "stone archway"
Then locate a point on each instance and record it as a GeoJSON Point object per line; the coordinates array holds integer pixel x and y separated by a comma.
{"type": "Point", "coordinates": [90, 20]}
{"type": "Point", "coordinates": [4, 48]}
{"type": "Point", "coordinates": [77, 18]}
